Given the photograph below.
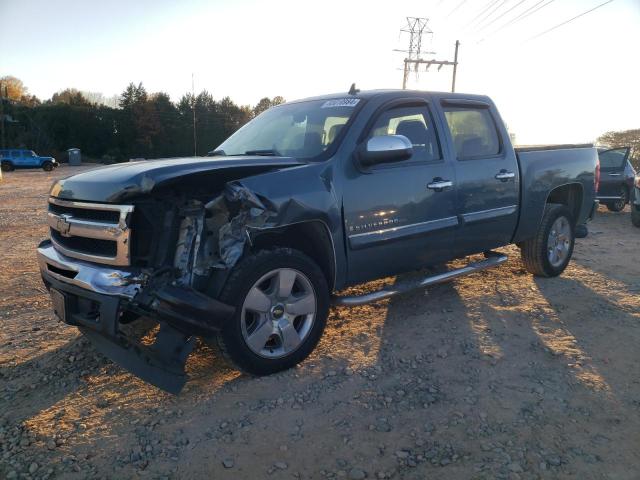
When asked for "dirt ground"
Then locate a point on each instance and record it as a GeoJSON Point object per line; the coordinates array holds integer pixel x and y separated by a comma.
{"type": "Point", "coordinates": [496, 375]}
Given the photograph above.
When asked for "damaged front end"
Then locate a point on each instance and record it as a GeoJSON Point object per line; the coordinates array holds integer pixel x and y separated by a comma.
{"type": "Point", "coordinates": [173, 279]}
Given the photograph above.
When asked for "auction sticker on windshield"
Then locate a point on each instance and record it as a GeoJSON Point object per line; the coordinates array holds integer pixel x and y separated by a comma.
{"type": "Point", "coordinates": [341, 102]}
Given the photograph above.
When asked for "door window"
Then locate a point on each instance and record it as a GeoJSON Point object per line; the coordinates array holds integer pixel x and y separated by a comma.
{"type": "Point", "coordinates": [612, 159]}
{"type": "Point", "coordinates": [473, 132]}
{"type": "Point", "coordinates": [15, 153]}
{"type": "Point", "coordinates": [415, 124]}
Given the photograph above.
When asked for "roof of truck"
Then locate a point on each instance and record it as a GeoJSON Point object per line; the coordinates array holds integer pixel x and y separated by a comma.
{"type": "Point", "coordinates": [391, 93]}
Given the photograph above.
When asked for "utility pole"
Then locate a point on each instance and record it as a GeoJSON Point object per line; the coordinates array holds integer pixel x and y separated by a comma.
{"type": "Point", "coordinates": [193, 108]}
{"type": "Point", "coordinates": [455, 68]}
{"type": "Point", "coordinates": [6, 91]}
{"type": "Point", "coordinates": [441, 63]}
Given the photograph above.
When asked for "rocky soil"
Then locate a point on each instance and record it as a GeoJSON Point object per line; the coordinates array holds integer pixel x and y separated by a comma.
{"type": "Point", "coordinates": [495, 376]}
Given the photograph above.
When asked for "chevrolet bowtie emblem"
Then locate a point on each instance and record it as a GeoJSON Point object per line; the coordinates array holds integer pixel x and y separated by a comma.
{"type": "Point", "coordinates": [63, 226]}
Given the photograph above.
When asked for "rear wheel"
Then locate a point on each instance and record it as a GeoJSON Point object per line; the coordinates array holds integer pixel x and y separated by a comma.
{"type": "Point", "coordinates": [282, 303]}
{"type": "Point", "coordinates": [549, 252]}
{"type": "Point", "coordinates": [618, 205]}
{"type": "Point", "coordinates": [47, 167]}
{"type": "Point", "coordinates": [7, 167]}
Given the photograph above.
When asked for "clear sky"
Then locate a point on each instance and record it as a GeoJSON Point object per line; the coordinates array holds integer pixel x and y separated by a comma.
{"type": "Point", "coordinates": [566, 86]}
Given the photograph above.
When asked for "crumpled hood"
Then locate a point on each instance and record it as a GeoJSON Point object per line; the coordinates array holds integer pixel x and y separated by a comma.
{"type": "Point", "coordinates": [117, 182]}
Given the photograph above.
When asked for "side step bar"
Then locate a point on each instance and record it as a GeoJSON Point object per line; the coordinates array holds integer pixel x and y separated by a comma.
{"type": "Point", "coordinates": [493, 260]}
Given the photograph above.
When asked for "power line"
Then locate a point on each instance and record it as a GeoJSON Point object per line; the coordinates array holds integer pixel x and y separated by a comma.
{"type": "Point", "coordinates": [528, 12]}
{"type": "Point", "coordinates": [456, 8]}
{"type": "Point", "coordinates": [491, 12]}
{"type": "Point", "coordinates": [568, 21]}
{"type": "Point", "coordinates": [525, 15]}
{"type": "Point", "coordinates": [503, 14]}
{"type": "Point", "coordinates": [488, 6]}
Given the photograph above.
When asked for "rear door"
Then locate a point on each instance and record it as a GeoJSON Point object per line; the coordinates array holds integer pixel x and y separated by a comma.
{"type": "Point", "coordinates": [487, 175]}
{"type": "Point", "coordinates": [397, 219]}
{"type": "Point", "coordinates": [612, 165]}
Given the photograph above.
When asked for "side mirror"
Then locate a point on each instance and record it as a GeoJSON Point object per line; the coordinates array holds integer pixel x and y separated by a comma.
{"type": "Point", "coordinates": [385, 149]}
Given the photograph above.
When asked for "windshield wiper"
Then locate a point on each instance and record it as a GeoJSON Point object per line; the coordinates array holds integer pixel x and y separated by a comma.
{"type": "Point", "coordinates": [267, 152]}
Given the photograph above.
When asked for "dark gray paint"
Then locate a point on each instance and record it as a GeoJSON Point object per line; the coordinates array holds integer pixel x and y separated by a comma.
{"type": "Point", "coordinates": [545, 170]}
{"type": "Point", "coordinates": [477, 213]}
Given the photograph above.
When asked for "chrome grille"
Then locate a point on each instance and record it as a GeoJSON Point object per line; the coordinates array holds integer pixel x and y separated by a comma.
{"type": "Point", "coordinates": [93, 232]}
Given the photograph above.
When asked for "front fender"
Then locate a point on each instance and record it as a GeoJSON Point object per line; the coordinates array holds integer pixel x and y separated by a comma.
{"type": "Point", "coordinates": [298, 195]}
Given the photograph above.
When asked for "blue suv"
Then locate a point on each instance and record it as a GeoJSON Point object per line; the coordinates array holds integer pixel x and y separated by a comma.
{"type": "Point", "coordinates": [12, 159]}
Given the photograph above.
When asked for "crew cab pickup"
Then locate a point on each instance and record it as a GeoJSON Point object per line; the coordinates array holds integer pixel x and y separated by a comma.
{"type": "Point", "coordinates": [251, 245]}
{"type": "Point", "coordinates": [12, 159]}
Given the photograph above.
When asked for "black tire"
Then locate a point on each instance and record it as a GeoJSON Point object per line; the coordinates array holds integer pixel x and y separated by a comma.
{"type": "Point", "coordinates": [619, 205]}
{"type": "Point", "coordinates": [47, 166]}
{"type": "Point", "coordinates": [241, 281]}
{"type": "Point", "coordinates": [535, 251]}
{"type": "Point", "coordinates": [7, 167]}
{"type": "Point", "coordinates": [635, 215]}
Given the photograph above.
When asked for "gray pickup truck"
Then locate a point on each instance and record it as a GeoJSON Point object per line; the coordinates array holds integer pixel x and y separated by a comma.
{"type": "Point", "coordinates": [249, 245]}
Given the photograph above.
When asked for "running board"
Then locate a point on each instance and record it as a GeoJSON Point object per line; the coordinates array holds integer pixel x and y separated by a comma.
{"type": "Point", "coordinates": [493, 260]}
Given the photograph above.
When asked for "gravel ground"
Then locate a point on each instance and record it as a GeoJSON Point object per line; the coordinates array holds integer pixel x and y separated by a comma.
{"type": "Point", "coordinates": [497, 375]}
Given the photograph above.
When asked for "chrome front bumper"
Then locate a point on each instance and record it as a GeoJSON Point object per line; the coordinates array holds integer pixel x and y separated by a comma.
{"type": "Point", "coordinates": [94, 297]}
{"type": "Point", "coordinates": [124, 283]}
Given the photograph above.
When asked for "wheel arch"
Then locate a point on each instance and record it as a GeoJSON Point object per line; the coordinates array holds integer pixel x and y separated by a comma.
{"type": "Point", "coordinates": [312, 237]}
{"type": "Point", "coordinates": [570, 195]}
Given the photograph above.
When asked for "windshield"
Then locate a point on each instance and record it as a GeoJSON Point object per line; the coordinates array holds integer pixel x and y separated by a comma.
{"type": "Point", "coordinates": [302, 130]}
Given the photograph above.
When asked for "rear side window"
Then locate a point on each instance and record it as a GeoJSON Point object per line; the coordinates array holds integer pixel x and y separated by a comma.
{"type": "Point", "coordinates": [415, 124]}
{"type": "Point", "coordinates": [473, 131]}
{"type": "Point", "coordinates": [612, 159]}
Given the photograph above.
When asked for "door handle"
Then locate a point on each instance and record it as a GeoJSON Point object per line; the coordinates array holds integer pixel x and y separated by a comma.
{"type": "Point", "coordinates": [439, 185]}
{"type": "Point", "coordinates": [615, 174]}
{"type": "Point", "coordinates": [503, 175]}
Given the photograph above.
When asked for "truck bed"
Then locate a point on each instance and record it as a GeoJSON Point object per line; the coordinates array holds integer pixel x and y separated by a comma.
{"type": "Point", "coordinates": [544, 168]}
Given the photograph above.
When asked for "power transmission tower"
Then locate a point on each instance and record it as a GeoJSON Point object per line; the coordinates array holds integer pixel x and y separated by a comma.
{"type": "Point", "coordinates": [417, 28]}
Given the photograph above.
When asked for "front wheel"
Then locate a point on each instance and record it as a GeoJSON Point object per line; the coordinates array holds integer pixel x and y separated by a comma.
{"type": "Point", "coordinates": [618, 205]}
{"type": "Point", "coordinates": [549, 252]}
{"type": "Point", "coordinates": [47, 167]}
{"type": "Point", "coordinates": [282, 304]}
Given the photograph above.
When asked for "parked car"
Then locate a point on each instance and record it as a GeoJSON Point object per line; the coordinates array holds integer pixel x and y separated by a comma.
{"type": "Point", "coordinates": [635, 202]}
{"type": "Point", "coordinates": [16, 158]}
{"type": "Point", "coordinates": [250, 245]}
{"type": "Point", "coordinates": [616, 177]}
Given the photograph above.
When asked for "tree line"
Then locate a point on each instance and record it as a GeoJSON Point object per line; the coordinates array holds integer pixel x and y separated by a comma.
{"type": "Point", "coordinates": [142, 125]}
{"type": "Point", "coordinates": [138, 124]}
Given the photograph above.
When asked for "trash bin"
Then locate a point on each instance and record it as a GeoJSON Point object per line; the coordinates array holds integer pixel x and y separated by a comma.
{"type": "Point", "coordinates": [75, 158]}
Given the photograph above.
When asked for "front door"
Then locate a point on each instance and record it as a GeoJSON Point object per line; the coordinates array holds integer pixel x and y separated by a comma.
{"type": "Point", "coordinates": [401, 216]}
{"type": "Point", "coordinates": [16, 158]}
{"type": "Point", "coordinates": [487, 178]}
{"type": "Point", "coordinates": [612, 163]}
